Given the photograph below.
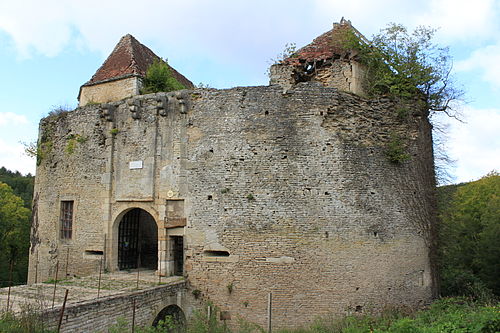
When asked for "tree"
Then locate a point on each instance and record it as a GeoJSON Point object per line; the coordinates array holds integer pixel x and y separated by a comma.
{"type": "Point", "coordinates": [14, 235]}
{"type": "Point", "coordinates": [22, 185]}
{"type": "Point", "coordinates": [470, 237]}
{"type": "Point", "coordinates": [159, 78]}
{"type": "Point", "coordinates": [408, 65]}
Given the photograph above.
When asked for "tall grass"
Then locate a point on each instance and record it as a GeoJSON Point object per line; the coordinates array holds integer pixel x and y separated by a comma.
{"type": "Point", "coordinates": [453, 315]}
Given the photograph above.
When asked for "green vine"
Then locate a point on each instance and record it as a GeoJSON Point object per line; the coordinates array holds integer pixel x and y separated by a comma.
{"type": "Point", "coordinates": [73, 139]}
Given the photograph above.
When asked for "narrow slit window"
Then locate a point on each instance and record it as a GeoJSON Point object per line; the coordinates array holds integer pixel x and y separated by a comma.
{"type": "Point", "coordinates": [66, 219]}
{"type": "Point", "coordinates": [215, 253]}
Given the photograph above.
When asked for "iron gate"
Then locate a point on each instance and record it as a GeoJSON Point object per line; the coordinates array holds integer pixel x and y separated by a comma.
{"type": "Point", "coordinates": [128, 240]}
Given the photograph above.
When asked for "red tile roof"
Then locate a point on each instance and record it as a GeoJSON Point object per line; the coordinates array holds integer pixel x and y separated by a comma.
{"type": "Point", "coordinates": [129, 58]}
{"type": "Point", "coordinates": [323, 47]}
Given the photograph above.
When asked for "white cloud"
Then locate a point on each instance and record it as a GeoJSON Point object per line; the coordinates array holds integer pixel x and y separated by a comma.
{"type": "Point", "coordinates": [475, 144]}
{"type": "Point", "coordinates": [229, 28]}
{"type": "Point", "coordinates": [485, 60]}
{"type": "Point", "coordinates": [40, 26]}
{"type": "Point", "coordinates": [462, 19]}
{"type": "Point", "coordinates": [12, 157]}
{"type": "Point", "coordinates": [10, 118]}
{"type": "Point", "coordinates": [369, 16]}
{"type": "Point", "coordinates": [47, 26]}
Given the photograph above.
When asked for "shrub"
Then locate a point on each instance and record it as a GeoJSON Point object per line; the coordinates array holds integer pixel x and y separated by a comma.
{"type": "Point", "coordinates": [159, 78]}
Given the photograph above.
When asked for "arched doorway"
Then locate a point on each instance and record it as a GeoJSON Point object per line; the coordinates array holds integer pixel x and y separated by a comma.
{"type": "Point", "coordinates": [137, 240]}
{"type": "Point", "coordinates": [172, 317]}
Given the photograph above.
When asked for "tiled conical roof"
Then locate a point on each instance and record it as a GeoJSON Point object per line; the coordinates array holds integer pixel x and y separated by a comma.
{"type": "Point", "coordinates": [130, 58]}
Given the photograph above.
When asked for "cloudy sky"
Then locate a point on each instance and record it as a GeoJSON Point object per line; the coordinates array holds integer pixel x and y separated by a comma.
{"type": "Point", "coordinates": [49, 48]}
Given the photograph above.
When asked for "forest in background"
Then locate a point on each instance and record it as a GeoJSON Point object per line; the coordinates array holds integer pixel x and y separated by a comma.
{"type": "Point", "coordinates": [16, 193]}
{"type": "Point", "coordinates": [468, 230]}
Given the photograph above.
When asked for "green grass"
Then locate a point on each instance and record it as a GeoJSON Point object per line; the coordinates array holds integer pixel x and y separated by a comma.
{"type": "Point", "coordinates": [445, 315]}
{"type": "Point", "coordinates": [27, 321]}
{"type": "Point", "coordinates": [453, 315]}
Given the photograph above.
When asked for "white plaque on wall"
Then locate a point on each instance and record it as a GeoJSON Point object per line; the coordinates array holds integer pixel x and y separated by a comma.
{"type": "Point", "coordinates": [135, 165]}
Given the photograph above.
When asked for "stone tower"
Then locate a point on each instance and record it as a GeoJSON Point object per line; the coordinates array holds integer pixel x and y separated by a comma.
{"type": "Point", "coordinates": [121, 74]}
{"type": "Point", "coordinates": [283, 189]}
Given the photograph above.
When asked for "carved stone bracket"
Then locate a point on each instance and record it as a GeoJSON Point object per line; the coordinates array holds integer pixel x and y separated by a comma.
{"type": "Point", "coordinates": [107, 111]}
{"type": "Point", "coordinates": [162, 105]}
{"type": "Point", "coordinates": [134, 106]}
{"type": "Point", "coordinates": [182, 98]}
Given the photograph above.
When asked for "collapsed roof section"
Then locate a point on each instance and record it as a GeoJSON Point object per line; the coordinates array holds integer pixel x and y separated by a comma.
{"type": "Point", "coordinates": [326, 60]}
{"type": "Point", "coordinates": [329, 45]}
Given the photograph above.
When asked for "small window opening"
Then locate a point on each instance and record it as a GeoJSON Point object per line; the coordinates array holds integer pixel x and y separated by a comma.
{"type": "Point", "coordinates": [94, 252]}
{"type": "Point", "coordinates": [215, 253]}
{"type": "Point", "coordinates": [66, 219]}
{"type": "Point", "coordinates": [375, 233]}
{"type": "Point", "coordinates": [209, 197]}
{"type": "Point", "coordinates": [359, 308]}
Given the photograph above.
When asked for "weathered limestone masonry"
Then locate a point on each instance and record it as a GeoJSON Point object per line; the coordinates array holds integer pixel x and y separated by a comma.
{"type": "Point", "coordinates": [111, 90]}
{"type": "Point", "coordinates": [261, 190]}
{"type": "Point", "coordinates": [100, 314]}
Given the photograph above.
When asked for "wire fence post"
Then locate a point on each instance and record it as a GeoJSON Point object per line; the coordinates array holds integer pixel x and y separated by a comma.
{"type": "Point", "coordinates": [138, 270]}
{"type": "Point", "coordinates": [10, 282]}
{"type": "Point", "coordinates": [67, 262]}
{"type": "Point", "coordinates": [133, 315]}
{"type": "Point", "coordinates": [99, 283]}
{"type": "Point", "coordinates": [269, 311]}
{"type": "Point", "coordinates": [55, 285]}
{"type": "Point", "coordinates": [105, 250]}
{"type": "Point", "coordinates": [62, 312]}
{"type": "Point", "coordinates": [36, 267]}
{"type": "Point", "coordinates": [159, 267]}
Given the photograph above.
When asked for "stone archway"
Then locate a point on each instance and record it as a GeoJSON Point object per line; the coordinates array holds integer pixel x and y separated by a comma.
{"type": "Point", "coordinates": [137, 240]}
{"type": "Point", "coordinates": [174, 317]}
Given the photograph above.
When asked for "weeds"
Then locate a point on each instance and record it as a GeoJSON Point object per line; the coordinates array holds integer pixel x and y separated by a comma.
{"type": "Point", "coordinates": [396, 150]}
{"type": "Point", "coordinates": [28, 320]}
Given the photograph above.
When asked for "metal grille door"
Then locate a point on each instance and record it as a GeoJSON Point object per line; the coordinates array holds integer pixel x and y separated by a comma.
{"type": "Point", "coordinates": [128, 240]}
{"type": "Point", "coordinates": [178, 248]}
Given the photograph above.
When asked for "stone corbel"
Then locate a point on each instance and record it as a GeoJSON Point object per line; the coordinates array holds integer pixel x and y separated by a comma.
{"type": "Point", "coordinates": [162, 105]}
{"type": "Point", "coordinates": [107, 111]}
{"type": "Point", "coordinates": [171, 103]}
{"type": "Point", "coordinates": [182, 98]}
{"type": "Point", "coordinates": [134, 106]}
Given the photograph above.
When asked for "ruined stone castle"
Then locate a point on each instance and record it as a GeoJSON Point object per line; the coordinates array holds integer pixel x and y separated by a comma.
{"type": "Point", "coordinates": [284, 189]}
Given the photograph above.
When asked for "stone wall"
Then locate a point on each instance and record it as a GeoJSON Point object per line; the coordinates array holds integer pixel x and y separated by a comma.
{"type": "Point", "coordinates": [99, 315]}
{"type": "Point", "coordinates": [344, 74]}
{"type": "Point", "coordinates": [289, 193]}
{"type": "Point", "coordinates": [108, 91]}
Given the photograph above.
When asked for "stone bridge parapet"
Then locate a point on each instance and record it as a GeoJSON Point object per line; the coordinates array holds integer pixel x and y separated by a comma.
{"type": "Point", "coordinates": [85, 312]}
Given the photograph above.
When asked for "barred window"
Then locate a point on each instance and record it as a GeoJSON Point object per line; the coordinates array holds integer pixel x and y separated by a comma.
{"type": "Point", "coordinates": [66, 219]}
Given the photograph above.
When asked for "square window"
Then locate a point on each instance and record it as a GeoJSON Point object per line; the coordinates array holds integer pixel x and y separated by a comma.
{"type": "Point", "coordinates": [66, 219]}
